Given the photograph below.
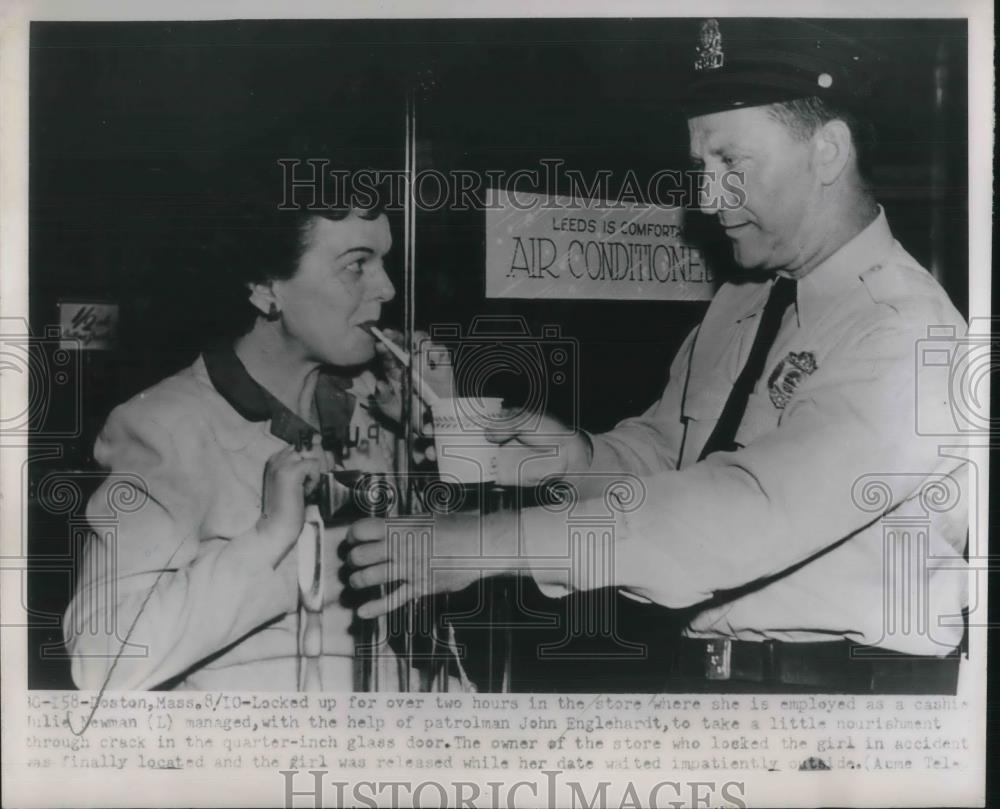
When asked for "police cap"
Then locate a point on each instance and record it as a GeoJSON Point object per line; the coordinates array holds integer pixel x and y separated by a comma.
{"type": "Point", "coordinates": [752, 62]}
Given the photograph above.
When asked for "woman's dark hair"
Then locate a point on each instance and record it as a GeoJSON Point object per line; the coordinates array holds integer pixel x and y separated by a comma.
{"type": "Point", "coordinates": [258, 233]}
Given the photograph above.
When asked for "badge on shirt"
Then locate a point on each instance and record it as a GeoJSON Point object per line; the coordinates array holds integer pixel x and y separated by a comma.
{"type": "Point", "coordinates": [787, 375]}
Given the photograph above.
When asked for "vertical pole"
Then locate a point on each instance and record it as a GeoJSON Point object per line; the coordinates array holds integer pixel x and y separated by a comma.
{"type": "Point", "coordinates": [409, 286]}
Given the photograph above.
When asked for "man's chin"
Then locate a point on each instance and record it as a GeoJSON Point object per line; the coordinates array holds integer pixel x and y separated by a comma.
{"type": "Point", "coordinates": [747, 262]}
{"type": "Point", "coordinates": [750, 271]}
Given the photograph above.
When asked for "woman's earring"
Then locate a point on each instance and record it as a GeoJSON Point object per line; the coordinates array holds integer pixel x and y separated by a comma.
{"type": "Point", "coordinates": [273, 313]}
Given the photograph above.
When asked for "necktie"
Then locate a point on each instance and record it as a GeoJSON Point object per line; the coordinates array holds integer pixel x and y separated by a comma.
{"type": "Point", "coordinates": [723, 436]}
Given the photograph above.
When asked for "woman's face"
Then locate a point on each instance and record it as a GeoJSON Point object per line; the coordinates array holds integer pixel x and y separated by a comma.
{"type": "Point", "coordinates": [339, 285]}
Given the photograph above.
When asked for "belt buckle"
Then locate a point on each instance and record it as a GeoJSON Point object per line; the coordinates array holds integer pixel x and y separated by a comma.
{"type": "Point", "coordinates": [718, 659]}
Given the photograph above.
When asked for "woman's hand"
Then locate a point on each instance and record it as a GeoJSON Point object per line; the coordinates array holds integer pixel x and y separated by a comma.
{"type": "Point", "coordinates": [288, 476]}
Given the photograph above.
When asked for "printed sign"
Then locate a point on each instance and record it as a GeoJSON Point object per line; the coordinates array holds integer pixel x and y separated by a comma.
{"type": "Point", "coordinates": [559, 247]}
{"type": "Point", "coordinates": [85, 325]}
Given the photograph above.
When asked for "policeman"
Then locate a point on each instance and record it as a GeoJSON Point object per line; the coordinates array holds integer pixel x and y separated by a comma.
{"type": "Point", "coordinates": [782, 491]}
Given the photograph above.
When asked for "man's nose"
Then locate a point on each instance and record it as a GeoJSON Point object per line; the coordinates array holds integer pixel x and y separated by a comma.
{"type": "Point", "coordinates": [707, 185]}
{"type": "Point", "coordinates": [380, 287]}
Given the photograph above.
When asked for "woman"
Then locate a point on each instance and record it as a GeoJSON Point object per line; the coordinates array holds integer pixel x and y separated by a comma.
{"type": "Point", "coordinates": [189, 579]}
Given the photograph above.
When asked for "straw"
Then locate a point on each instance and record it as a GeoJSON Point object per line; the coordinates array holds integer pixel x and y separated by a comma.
{"type": "Point", "coordinates": [426, 393]}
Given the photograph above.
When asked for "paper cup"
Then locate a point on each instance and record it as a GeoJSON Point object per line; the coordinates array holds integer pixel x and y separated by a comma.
{"type": "Point", "coordinates": [463, 451]}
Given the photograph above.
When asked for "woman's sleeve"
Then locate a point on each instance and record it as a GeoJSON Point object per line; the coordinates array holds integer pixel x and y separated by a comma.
{"type": "Point", "coordinates": [154, 595]}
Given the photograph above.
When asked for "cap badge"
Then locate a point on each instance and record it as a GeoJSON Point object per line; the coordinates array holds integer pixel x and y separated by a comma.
{"type": "Point", "coordinates": [787, 375]}
{"type": "Point", "coordinates": [709, 49]}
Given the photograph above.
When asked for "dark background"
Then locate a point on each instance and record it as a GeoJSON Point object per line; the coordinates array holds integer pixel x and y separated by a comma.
{"type": "Point", "coordinates": [135, 128]}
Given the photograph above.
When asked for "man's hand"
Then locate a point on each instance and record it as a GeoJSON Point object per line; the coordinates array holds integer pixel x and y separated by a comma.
{"type": "Point", "coordinates": [537, 448]}
{"type": "Point", "coordinates": [430, 360]}
{"type": "Point", "coordinates": [433, 363]}
{"type": "Point", "coordinates": [421, 568]}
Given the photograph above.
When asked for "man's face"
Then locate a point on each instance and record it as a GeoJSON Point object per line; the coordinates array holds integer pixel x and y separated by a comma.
{"type": "Point", "coordinates": [339, 285]}
{"type": "Point", "coordinates": [778, 221]}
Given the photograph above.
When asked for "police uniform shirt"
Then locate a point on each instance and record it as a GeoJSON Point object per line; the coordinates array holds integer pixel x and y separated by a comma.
{"type": "Point", "coordinates": [822, 525]}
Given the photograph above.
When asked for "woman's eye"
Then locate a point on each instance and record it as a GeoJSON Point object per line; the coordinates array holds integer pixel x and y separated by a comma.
{"type": "Point", "coordinates": [356, 268]}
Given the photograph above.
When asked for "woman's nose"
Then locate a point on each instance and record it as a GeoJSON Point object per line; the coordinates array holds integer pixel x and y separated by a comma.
{"type": "Point", "coordinates": [379, 286]}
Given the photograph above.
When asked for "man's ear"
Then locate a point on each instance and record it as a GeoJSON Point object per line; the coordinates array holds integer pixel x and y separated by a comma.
{"type": "Point", "coordinates": [263, 298]}
{"type": "Point", "coordinates": [834, 150]}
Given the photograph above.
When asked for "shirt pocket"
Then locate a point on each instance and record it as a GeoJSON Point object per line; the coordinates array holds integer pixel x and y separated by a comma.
{"type": "Point", "coordinates": [703, 403]}
{"type": "Point", "coordinates": [705, 397]}
{"type": "Point", "coordinates": [760, 418]}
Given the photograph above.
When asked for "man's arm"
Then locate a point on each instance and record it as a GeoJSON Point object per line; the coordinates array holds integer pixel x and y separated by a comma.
{"type": "Point", "coordinates": [643, 445]}
{"type": "Point", "coordinates": [738, 517]}
{"type": "Point", "coordinates": [727, 521]}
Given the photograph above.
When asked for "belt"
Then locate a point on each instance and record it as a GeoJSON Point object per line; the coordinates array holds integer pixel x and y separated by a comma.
{"type": "Point", "coordinates": [839, 666]}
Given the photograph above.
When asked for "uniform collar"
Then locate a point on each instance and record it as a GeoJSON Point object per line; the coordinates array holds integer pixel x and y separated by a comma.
{"type": "Point", "coordinates": [334, 404]}
{"type": "Point", "coordinates": [841, 271]}
{"type": "Point", "coordinates": [834, 276]}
